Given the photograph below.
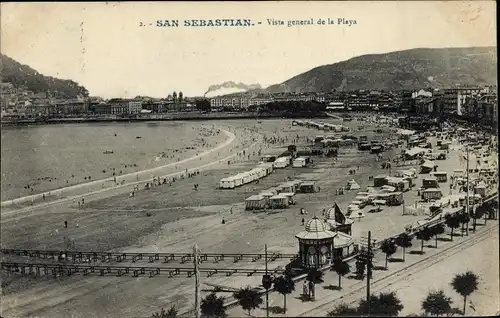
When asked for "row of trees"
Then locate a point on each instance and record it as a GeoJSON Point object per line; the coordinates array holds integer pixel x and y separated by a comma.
{"type": "Point", "coordinates": [389, 247]}
{"type": "Point", "coordinates": [436, 303]}
{"type": "Point", "coordinates": [385, 304]}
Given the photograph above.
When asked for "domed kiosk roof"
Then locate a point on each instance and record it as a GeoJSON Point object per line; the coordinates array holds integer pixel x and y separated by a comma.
{"type": "Point", "coordinates": [316, 229]}
{"type": "Point", "coordinates": [334, 216]}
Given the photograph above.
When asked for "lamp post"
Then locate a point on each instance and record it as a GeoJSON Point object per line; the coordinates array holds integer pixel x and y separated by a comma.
{"type": "Point", "coordinates": [266, 282]}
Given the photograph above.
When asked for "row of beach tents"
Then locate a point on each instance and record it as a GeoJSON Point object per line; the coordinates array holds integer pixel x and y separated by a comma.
{"type": "Point", "coordinates": [320, 125]}
{"type": "Point", "coordinates": [280, 197]}
{"type": "Point", "coordinates": [262, 170]}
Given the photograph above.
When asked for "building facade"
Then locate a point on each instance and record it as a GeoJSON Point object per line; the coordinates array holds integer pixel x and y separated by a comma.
{"type": "Point", "coordinates": [134, 107]}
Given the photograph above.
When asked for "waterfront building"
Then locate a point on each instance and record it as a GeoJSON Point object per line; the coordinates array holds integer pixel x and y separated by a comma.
{"type": "Point", "coordinates": [454, 99]}
{"type": "Point", "coordinates": [119, 108]}
{"type": "Point", "coordinates": [102, 109]}
{"type": "Point", "coordinates": [134, 107]}
{"type": "Point", "coordinates": [229, 102]}
{"type": "Point", "coordinates": [259, 101]}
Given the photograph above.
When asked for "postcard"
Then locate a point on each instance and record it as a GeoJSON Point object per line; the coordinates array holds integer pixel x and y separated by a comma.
{"type": "Point", "coordinates": [260, 158]}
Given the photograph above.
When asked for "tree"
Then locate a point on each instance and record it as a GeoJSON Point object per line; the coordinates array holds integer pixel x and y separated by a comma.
{"type": "Point", "coordinates": [437, 230]}
{"type": "Point", "coordinates": [404, 241]}
{"type": "Point", "coordinates": [342, 310]}
{"type": "Point", "coordinates": [452, 222]}
{"type": "Point", "coordinates": [315, 275]}
{"type": "Point", "coordinates": [203, 105]}
{"type": "Point", "coordinates": [360, 269]}
{"type": "Point", "coordinates": [465, 284]}
{"type": "Point", "coordinates": [341, 268]}
{"type": "Point", "coordinates": [284, 285]}
{"type": "Point", "coordinates": [171, 313]}
{"type": "Point", "coordinates": [213, 306]}
{"type": "Point", "coordinates": [389, 248]}
{"type": "Point", "coordinates": [437, 303]}
{"type": "Point", "coordinates": [424, 234]}
{"type": "Point", "coordinates": [385, 305]}
{"type": "Point", "coordinates": [464, 219]}
{"type": "Point", "coordinates": [477, 214]}
{"type": "Point", "coordinates": [248, 298]}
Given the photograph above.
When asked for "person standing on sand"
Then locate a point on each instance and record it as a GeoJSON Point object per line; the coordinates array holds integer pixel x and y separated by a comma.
{"type": "Point", "coordinates": [305, 290]}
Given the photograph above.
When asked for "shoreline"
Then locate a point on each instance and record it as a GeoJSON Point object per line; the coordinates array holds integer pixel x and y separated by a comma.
{"type": "Point", "coordinates": [59, 191]}
{"type": "Point", "coordinates": [157, 117]}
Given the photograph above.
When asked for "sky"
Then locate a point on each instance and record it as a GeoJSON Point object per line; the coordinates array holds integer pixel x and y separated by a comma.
{"type": "Point", "coordinates": [103, 47]}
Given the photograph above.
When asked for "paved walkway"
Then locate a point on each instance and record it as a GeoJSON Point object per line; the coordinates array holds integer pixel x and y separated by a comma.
{"type": "Point", "coordinates": [327, 295]}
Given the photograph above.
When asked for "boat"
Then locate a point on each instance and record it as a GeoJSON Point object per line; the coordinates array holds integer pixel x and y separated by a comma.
{"type": "Point", "coordinates": [138, 137]}
{"type": "Point", "coordinates": [107, 152]}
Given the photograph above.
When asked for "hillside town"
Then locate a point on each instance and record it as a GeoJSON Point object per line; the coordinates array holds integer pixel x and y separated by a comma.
{"type": "Point", "coordinates": [477, 102]}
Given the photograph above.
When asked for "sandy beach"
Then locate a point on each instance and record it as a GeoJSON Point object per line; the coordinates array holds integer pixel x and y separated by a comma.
{"type": "Point", "coordinates": [172, 218]}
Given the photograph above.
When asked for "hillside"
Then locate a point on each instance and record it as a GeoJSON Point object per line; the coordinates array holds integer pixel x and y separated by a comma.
{"type": "Point", "coordinates": [410, 69]}
{"type": "Point", "coordinates": [23, 75]}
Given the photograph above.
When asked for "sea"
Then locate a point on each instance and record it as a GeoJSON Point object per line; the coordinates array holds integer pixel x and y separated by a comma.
{"type": "Point", "coordinates": [40, 158]}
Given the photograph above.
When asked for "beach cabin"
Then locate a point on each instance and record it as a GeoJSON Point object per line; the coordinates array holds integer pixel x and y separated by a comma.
{"type": "Point", "coordinates": [278, 201]}
{"type": "Point", "coordinates": [307, 187]}
{"type": "Point", "coordinates": [445, 145]}
{"type": "Point", "coordinates": [432, 194]}
{"type": "Point", "coordinates": [360, 204]}
{"type": "Point", "coordinates": [267, 166]}
{"type": "Point", "coordinates": [273, 190]}
{"type": "Point", "coordinates": [480, 189]}
{"type": "Point", "coordinates": [226, 183]}
{"type": "Point", "coordinates": [290, 196]}
{"type": "Point", "coordinates": [238, 180]}
{"type": "Point", "coordinates": [318, 139]}
{"type": "Point", "coordinates": [394, 198]}
{"type": "Point", "coordinates": [427, 166]}
{"type": "Point", "coordinates": [363, 198]}
{"type": "Point", "coordinates": [286, 187]}
{"type": "Point", "coordinates": [364, 146]}
{"type": "Point", "coordinates": [430, 182]}
{"type": "Point", "coordinates": [407, 174]}
{"type": "Point", "coordinates": [414, 153]}
{"type": "Point", "coordinates": [387, 189]}
{"type": "Point", "coordinates": [281, 162]}
{"type": "Point", "coordinates": [379, 181]}
{"type": "Point", "coordinates": [268, 158]}
{"type": "Point", "coordinates": [300, 162]}
{"type": "Point", "coordinates": [255, 202]}
{"type": "Point", "coordinates": [441, 176]}
{"type": "Point", "coordinates": [379, 202]}
{"type": "Point", "coordinates": [401, 184]}
{"type": "Point", "coordinates": [267, 196]}
{"type": "Point", "coordinates": [376, 149]}
{"type": "Point", "coordinates": [296, 184]}
{"type": "Point", "coordinates": [352, 210]}
{"type": "Point", "coordinates": [245, 177]}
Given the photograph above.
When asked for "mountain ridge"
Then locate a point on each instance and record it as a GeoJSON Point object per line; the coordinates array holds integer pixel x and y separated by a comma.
{"type": "Point", "coordinates": [407, 69]}
{"type": "Point", "coordinates": [19, 74]}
